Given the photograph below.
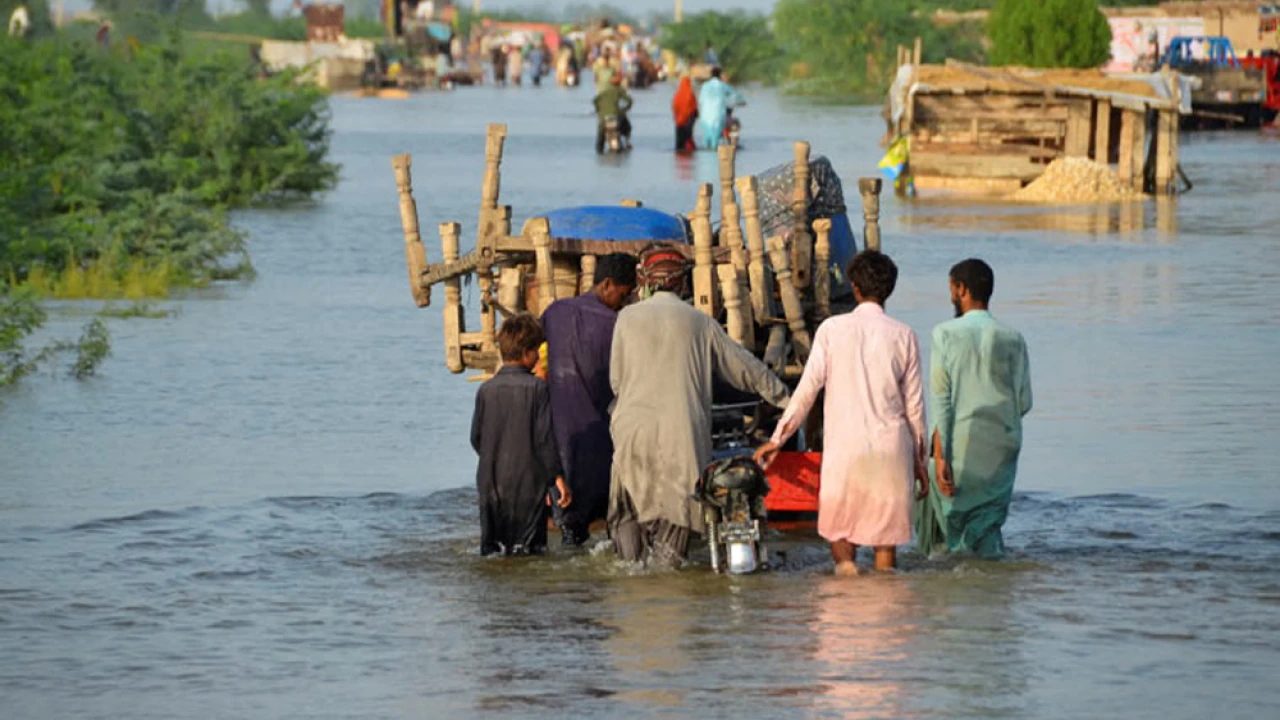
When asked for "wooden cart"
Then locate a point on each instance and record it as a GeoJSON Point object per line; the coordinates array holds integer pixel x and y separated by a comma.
{"type": "Point", "coordinates": [771, 293]}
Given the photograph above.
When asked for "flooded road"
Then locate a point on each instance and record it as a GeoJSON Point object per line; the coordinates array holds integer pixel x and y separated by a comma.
{"type": "Point", "coordinates": [261, 506]}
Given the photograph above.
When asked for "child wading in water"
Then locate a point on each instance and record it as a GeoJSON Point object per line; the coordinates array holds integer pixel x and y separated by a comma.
{"type": "Point", "coordinates": [511, 431]}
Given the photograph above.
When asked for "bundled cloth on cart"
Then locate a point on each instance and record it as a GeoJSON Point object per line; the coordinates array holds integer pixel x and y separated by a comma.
{"type": "Point", "coordinates": [777, 192]}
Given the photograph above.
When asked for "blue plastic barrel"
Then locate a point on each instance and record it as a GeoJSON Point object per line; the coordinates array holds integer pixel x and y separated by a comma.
{"type": "Point", "coordinates": [610, 222]}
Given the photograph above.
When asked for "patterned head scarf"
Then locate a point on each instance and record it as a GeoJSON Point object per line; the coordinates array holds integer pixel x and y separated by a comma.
{"type": "Point", "coordinates": [663, 267]}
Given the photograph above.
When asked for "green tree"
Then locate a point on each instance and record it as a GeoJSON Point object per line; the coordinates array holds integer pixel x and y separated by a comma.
{"type": "Point", "coordinates": [1049, 33]}
{"type": "Point", "coordinates": [137, 154]}
{"type": "Point", "coordinates": [848, 47]}
{"type": "Point", "coordinates": [743, 42]}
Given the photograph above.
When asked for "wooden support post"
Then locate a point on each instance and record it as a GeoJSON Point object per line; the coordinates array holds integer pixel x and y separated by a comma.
{"type": "Point", "coordinates": [453, 320]}
{"type": "Point", "coordinates": [791, 305]}
{"type": "Point", "coordinates": [775, 351]}
{"type": "Point", "coordinates": [727, 155]}
{"type": "Point", "coordinates": [737, 324]}
{"type": "Point", "coordinates": [731, 234]}
{"type": "Point", "coordinates": [801, 242]}
{"type": "Point", "coordinates": [511, 289]}
{"type": "Point", "coordinates": [704, 280]}
{"type": "Point", "coordinates": [870, 189]}
{"type": "Point", "coordinates": [495, 221]}
{"type": "Point", "coordinates": [756, 274]}
{"type": "Point", "coordinates": [1140, 152]}
{"type": "Point", "coordinates": [1166, 132]}
{"type": "Point", "coordinates": [1176, 118]}
{"type": "Point", "coordinates": [488, 320]}
{"type": "Point", "coordinates": [538, 230]}
{"type": "Point", "coordinates": [822, 270]}
{"type": "Point", "coordinates": [415, 253]}
{"type": "Point", "coordinates": [1125, 167]}
{"type": "Point", "coordinates": [495, 136]}
{"type": "Point", "coordinates": [917, 52]}
{"type": "Point", "coordinates": [587, 280]}
{"type": "Point", "coordinates": [1079, 124]}
{"type": "Point", "coordinates": [1102, 133]}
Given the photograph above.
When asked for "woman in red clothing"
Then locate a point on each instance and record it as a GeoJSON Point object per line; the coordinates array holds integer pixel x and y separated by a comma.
{"type": "Point", "coordinates": [684, 107]}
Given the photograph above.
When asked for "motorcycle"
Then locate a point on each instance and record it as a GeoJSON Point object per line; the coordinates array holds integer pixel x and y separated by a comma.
{"type": "Point", "coordinates": [731, 491]}
{"type": "Point", "coordinates": [732, 128]}
{"type": "Point", "coordinates": [613, 141]}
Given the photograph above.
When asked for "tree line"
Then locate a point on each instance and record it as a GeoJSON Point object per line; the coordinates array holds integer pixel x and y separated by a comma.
{"type": "Point", "coordinates": [848, 48]}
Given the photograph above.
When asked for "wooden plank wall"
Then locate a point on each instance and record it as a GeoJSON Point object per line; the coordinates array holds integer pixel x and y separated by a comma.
{"type": "Point", "coordinates": [989, 137]}
{"type": "Point", "coordinates": [994, 140]}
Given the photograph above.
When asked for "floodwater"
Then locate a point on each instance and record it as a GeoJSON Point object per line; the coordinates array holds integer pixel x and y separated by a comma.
{"type": "Point", "coordinates": [260, 508]}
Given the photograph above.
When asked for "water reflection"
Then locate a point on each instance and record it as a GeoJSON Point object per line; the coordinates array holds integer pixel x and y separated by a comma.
{"type": "Point", "coordinates": [1128, 220]}
{"type": "Point", "coordinates": [531, 640]}
{"type": "Point", "coordinates": [652, 621]}
{"type": "Point", "coordinates": [969, 646]}
{"type": "Point", "coordinates": [864, 628]}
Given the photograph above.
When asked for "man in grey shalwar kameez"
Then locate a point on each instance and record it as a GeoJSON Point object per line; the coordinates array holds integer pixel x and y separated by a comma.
{"type": "Point", "coordinates": [664, 356]}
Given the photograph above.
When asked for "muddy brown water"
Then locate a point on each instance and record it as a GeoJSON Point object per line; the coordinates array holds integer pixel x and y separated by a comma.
{"type": "Point", "coordinates": [260, 508]}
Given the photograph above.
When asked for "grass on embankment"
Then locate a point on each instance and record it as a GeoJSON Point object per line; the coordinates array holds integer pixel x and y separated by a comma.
{"type": "Point", "coordinates": [119, 166]}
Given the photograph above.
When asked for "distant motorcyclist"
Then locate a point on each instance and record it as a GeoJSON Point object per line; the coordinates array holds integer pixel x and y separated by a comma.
{"type": "Point", "coordinates": [714, 100]}
{"type": "Point", "coordinates": [613, 101]}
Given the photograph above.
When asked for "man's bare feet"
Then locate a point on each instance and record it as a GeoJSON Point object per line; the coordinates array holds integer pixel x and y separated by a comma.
{"type": "Point", "coordinates": [847, 569]}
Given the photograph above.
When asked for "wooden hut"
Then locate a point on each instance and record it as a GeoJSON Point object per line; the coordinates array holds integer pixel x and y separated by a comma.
{"type": "Point", "coordinates": [993, 130]}
{"type": "Point", "coordinates": [769, 292]}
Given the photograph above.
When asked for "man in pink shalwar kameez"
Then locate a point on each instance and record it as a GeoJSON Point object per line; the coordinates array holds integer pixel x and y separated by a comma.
{"type": "Point", "coordinates": [874, 436]}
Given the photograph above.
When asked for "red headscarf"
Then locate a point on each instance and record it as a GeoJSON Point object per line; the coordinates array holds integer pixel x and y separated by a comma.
{"type": "Point", "coordinates": [685, 104]}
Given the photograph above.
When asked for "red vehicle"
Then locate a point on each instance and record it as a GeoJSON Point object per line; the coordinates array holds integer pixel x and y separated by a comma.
{"type": "Point", "coordinates": [1234, 91]}
{"type": "Point", "coordinates": [1269, 63]}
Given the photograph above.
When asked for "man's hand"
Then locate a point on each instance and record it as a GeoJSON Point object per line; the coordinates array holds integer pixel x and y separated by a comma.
{"type": "Point", "coordinates": [566, 495]}
{"type": "Point", "coordinates": [922, 480]}
{"type": "Point", "coordinates": [766, 453]}
{"type": "Point", "coordinates": [946, 483]}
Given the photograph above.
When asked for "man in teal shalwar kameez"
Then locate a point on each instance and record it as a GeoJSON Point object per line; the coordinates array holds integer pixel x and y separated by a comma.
{"type": "Point", "coordinates": [714, 100]}
{"type": "Point", "coordinates": [980, 385]}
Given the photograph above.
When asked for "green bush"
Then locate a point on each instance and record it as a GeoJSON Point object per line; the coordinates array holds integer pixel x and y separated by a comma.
{"type": "Point", "coordinates": [1049, 33]}
{"type": "Point", "coordinates": [137, 154]}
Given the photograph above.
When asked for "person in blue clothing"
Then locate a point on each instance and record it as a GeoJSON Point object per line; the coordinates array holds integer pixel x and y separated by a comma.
{"type": "Point", "coordinates": [714, 100]}
{"type": "Point", "coordinates": [579, 334]}
{"type": "Point", "coordinates": [710, 57]}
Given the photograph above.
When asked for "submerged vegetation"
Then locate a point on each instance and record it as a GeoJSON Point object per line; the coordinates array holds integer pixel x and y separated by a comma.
{"type": "Point", "coordinates": [21, 315]}
{"type": "Point", "coordinates": [119, 166]}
